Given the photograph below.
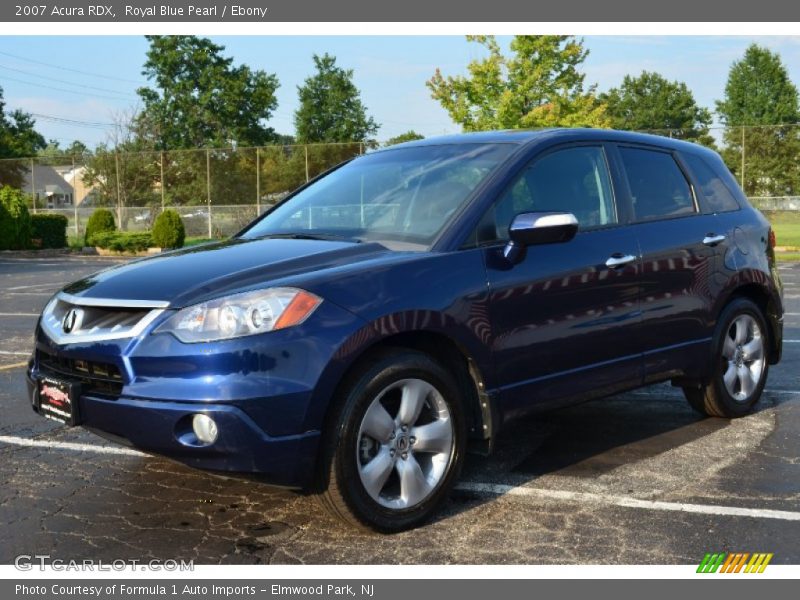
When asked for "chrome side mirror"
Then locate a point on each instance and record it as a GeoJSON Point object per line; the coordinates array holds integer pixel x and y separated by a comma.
{"type": "Point", "coordinates": [530, 229]}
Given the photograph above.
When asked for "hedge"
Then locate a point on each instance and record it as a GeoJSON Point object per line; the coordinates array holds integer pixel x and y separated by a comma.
{"type": "Point", "coordinates": [168, 230]}
{"type": "Point", "coordinates": [123, 241]}
{"type": "Point", "coordinates": [15, 221]}
{"type": "Point", "coordinates": [51, 230]}
{"type": "Point", "coordinates": [102, 219]}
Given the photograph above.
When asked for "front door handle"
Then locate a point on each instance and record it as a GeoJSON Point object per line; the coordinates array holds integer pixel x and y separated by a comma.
{"type": "Point", "coordinates": [619, 260]}
{"type": "Point", "coordinates": [713, 240]}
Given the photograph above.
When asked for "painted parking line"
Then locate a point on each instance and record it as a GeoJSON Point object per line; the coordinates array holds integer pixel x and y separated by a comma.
{"type": "Point", "coordinates": [14, 366]}
{"type": "Point", "coordinates": [495, 489]}
{"type": "Point", "coordinates": [626, 501]}
{"type": "Point", "coordinates": [69, 446]}
{"type": "Point", "coordinates": [4, 314]}
{"type": "Point", "coordinates": [9, 353]}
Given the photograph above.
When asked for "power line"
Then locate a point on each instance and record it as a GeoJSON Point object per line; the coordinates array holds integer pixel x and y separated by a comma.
{"type": "Point", "coordinates": [88, 73]}
{"type": "Point", "coordinates": [66, 121]}
{"type": "Point", "coordinates": [50, 87]}
{"type": "Point", "coordinates": [88, 87]}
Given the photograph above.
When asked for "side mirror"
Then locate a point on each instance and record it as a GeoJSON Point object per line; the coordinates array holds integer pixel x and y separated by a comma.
{"type": "Point", "coordinates": [529, 229]}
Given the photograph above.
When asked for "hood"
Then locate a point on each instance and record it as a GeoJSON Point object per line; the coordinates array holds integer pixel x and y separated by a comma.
{"type": "Point", "coordinates": [194, 274]}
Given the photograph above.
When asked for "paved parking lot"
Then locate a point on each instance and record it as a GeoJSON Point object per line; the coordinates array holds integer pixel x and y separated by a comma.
{"type": "Point", "coordinates": [637, 478]}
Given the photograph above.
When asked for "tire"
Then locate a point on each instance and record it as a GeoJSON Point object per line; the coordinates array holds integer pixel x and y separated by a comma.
{"type": "Point", "coordinates": [740, 363]}
{"type": "Point", "coordinates": [413, 469]}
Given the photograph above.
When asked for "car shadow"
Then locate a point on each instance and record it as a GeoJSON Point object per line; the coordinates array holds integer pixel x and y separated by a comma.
{"type": "Point", "coordinates": [586, 441]}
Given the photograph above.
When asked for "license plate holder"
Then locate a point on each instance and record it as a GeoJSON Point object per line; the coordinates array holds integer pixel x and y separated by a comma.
{"type": "Point", "coordinates": [57, 399]}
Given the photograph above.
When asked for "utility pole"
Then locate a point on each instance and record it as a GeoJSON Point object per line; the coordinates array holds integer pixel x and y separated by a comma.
{"type": "Point", "coordinates": [163, 186]}
{"type": "Point", "coordinates": [208, 188]}
{"type": "Point", "coordinates": [258, 182]}
{"type": "Point", "coordinates": [33, 187]}
{"type": "Point", "coordinates": [743, 140]}
{"type": "Point", "coordinates": [119, 192]}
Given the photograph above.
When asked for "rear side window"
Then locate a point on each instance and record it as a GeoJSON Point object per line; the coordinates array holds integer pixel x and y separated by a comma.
{"type": "Point", "coordinates": [657, 184]}
{"type": "Point", "coordinates": [717, 194]}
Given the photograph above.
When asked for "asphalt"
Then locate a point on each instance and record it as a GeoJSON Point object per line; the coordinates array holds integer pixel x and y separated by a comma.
{"type": "Point", "coordinates": [633, 479]}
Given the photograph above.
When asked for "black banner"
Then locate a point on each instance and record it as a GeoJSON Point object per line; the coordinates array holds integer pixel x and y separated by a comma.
{"type": "Point", "coordinates": [387, 589]}
{"type": "Point", "coordinates": [408, 11]}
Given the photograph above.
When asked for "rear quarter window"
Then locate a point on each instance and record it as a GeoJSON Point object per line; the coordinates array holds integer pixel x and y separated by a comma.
{"type": "Point", "coordinates": [717, 194]}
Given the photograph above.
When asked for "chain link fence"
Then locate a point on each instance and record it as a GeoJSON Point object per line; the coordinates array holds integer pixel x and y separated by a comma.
{"type": "Point", "coordinates": [219, 191]}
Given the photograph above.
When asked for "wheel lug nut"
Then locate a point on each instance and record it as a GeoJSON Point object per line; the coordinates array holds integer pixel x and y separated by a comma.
{"type": "Point", "coordinates": [412, 440]}
{"type": "Point", "coordinates": [392, 452]}
{"type": "Point", "coordinates": [391, 437]}
{"type": "Point", "coordinates": [405, 427]}
{"type": "Point", "coordinates": [405, 455]}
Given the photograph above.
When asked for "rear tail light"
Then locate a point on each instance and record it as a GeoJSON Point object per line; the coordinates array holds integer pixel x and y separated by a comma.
{"type": "Point", "coordinates": [772, 241]}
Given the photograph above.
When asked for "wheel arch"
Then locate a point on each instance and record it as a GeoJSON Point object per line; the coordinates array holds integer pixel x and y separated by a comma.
{"type": "Point", "coordinates": [764, 298]}
{"type": "Point", "coordinates": [480, 409]}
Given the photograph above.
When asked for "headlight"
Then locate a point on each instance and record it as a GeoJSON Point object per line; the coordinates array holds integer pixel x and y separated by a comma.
{"type": "Point", "coordinates": [241, 314]}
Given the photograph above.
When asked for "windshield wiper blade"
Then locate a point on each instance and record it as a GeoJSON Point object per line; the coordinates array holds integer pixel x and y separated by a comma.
{"type": "Point", "coordinates": [311, 236]}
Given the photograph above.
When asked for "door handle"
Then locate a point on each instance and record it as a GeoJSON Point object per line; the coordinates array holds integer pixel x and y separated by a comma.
{"type": "Point", "coordinates": [619, 260]}
{"type": "Point", "coordinates": [713, 240]}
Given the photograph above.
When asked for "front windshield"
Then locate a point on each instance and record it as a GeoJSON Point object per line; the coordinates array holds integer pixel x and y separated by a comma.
{"type": "Point", "coordinates": [403, 195]}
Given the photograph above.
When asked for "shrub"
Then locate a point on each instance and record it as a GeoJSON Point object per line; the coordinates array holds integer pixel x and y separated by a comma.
{"type": "Point", "coordinates": [168, 231]}
{"type": "Point", "coordinates": [15, 221]}
{"type": "Point", "coordinates": [102, 219]}
{"type": "Point", "coordinates": [51, 229]}
{"type": "Point", "coordinates": [122, 241]}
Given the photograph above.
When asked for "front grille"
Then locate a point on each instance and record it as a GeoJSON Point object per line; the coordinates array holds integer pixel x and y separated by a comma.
{"type": "Point", "coordinates": [71, 319]}
{"type": "Point", "coordinates": [96, 377]}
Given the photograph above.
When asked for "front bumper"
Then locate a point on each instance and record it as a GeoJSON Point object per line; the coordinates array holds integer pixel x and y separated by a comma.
{"type": "Point", "coordinates": [160, 427]}
{"type": "Point", "coordinates": [267, 394]}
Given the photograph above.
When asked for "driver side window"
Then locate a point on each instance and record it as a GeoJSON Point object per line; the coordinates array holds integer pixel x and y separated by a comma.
{"type": "Point", "coordinates": [573, 180]}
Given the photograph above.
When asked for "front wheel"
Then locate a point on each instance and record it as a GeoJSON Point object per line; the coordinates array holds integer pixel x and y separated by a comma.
{"type": "Point", "coordinates": [740, 363]}
{"type": "Point", "coordinates": [397, 446]}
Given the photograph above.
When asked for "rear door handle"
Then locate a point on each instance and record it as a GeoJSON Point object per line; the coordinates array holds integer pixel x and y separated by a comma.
{"type": "Point", "coordinates": [619, 260]}
{"type": "Point", "coordinates": [713, 240]}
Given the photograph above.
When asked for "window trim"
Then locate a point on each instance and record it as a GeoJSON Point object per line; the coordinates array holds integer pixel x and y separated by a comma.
{"type": "Point", "coordinates": [633, 219]}
{"type": "Point", "coordinates": [471, 240]}
{"type": "Point", "coordinates": [706, 204]}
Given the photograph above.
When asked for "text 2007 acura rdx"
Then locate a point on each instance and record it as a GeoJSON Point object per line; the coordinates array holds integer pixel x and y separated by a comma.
{"type": "Point", "coordinates": [360, 336]}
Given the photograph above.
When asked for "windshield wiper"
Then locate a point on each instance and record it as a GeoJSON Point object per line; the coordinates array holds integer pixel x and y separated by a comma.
{"type": "Point", "coordinates": [310, 236]}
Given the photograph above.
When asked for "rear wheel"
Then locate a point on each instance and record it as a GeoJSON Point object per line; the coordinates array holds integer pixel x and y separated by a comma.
{"type": "Point", "coordinates": [397, 446]}
{"type": "Point", "coordinates": [740, 363]}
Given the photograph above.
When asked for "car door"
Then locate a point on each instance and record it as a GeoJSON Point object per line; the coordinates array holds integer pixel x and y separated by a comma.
{"type": "Point", "coordinates": [564, 317]}
{"type": "Point", "coordinates": [677, 244]}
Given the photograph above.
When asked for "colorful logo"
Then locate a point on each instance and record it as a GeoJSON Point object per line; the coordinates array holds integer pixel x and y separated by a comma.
{"type": "Point", "coordinates": [734, 562]}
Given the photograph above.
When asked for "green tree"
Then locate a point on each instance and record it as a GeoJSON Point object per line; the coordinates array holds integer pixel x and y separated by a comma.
{"type": "Point", "coordinates": [408, 136]}
{"type": "Point", "coordinates": [18, 139]}
{"type": "Point", "coordinates": [55, 154]}
{"type": "Point", "coordinates": [538, 85]}
{"type": "Point", "coordinates": [650, 102]}
{"type": "Point", "coordinates": [761, 101]}
{"type": "Point", "coordinates": [124, 171]}
{"type": "Point", "coordinates": [200, 98]}
{"type": "Point", "coordinates": [330, 106]}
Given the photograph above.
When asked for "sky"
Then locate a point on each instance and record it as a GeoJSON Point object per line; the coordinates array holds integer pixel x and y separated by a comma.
{"type": "Point", "coordinates": [93, 79]}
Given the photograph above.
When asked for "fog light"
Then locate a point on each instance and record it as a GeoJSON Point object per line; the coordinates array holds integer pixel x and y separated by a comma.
{"type": "Point", "coordinates": [205, 428]}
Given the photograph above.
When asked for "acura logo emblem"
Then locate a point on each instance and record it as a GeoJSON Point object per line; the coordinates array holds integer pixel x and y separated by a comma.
{"type": "Point", "coordinates": [72, 320]}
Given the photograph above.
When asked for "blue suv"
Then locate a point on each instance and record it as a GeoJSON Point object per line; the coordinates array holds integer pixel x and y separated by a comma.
{"type": "Point", "coordinates": [401, 308]}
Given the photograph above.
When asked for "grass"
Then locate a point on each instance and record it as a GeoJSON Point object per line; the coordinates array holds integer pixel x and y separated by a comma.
{"type": "Point", "coordinates": [787, 256]}
{"type": "Point", "coordinates": [786, 225]}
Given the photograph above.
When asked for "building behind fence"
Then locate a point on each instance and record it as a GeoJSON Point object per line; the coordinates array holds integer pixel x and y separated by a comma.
{"type": "Point", "coordinates": [219, 191]}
